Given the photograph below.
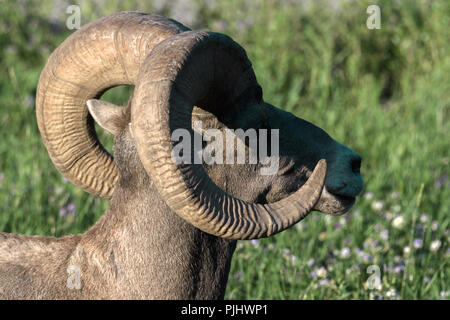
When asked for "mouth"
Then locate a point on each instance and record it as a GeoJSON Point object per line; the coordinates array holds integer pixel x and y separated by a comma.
{"type": "Point", "coordinates": [329, 202]}
{"type": "Point", "coordinates": [334, 204]}
{"type": "Point", "coordinates": [346, 201]}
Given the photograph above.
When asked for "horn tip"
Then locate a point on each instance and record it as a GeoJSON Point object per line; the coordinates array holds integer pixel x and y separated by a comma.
{"type": "Point", "coordinates": [321, 166]}
{"type": "Point", "coordinates": [90, 104]}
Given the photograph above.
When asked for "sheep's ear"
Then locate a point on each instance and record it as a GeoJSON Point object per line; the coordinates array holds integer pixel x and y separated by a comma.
{"type": "Point", "coordinates": [108, 115]}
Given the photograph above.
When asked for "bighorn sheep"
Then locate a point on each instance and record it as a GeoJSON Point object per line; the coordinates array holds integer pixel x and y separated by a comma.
{"type": "Point", "coordinates": [171, 229]}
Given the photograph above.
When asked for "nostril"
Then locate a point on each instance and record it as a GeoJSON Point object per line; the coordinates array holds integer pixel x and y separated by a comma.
{"type": "Point", "coordinates": [356, 164]}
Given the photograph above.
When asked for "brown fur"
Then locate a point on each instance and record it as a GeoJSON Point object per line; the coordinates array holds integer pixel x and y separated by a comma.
{"type": "Point", "coordinates": [140, 249]}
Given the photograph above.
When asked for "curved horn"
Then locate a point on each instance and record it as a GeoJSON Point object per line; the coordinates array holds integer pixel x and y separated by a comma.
{"type": "Point", "coordinates": [213, 72]}
{"type": "Point", "coordinates": [101, 55]}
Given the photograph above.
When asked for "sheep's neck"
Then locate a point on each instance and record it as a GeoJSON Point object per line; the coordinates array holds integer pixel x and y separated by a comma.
{"type": "Point", "coordinates": [156, 254]}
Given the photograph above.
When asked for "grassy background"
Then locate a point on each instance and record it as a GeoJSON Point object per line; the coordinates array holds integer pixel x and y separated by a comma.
{"type": "Point", "coordinates": [385, 93]}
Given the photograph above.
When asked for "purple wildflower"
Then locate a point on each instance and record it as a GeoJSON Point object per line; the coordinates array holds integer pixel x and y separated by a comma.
{"type": "Point", "coordinates": [67, 210]}
{"type": "Point", "coordinates": [367, 257]}
{"type": "Point", "coordinates": [71, 207]}
{"type": "Point", "coordinates": [399, 268]}
{"type": "Point", "coordinates": [29, 101]}
{"type": "Point", "coordinates": [418, 243]}
{"type": "Point", "coordinates": [441, 181]}
{"type": "Point", "coordinates": [63, 212]}
{"type": "Point", "coordinates": [255, 242]}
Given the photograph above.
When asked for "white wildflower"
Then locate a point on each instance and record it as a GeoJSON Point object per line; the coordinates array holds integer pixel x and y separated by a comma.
{"type": "Point", "coordinates": [435, 245]}
{"type": "Point", "coordinates": [398, 222]}
{"type": "Point", "coordinates": [328, 219]}
{"type": "Point", "coordinates": [293, 259]}
{"type": "Point", "coordinates": [384, 234]}
{"type": "Point", "coordinates": [321, 272]}
{"type": "Point", "coordinates": [299, 226]}
{"type": "Point", "coordinates": [434, 226]}
{"type": "Point", "coordinates": [368, 195]}
{"type": "Point", "coordinates": [391, 293]}
{"type": "Point", "coordinates": [324, 282]}
{"type": "Point", "coordinates": [377, 205]}
{"type": "Point", "coordinates": [345, 253]}
{"type": "Point", "coordinates": [423, 218]}
{"type": "Point", "coordinates": [389, 215]}
{"type": "Point", "coordinates": [395, 195]}
{"type": "Point", "coordinates": [406, 251]}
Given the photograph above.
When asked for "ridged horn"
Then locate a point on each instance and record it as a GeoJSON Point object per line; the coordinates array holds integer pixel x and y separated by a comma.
{"type": "Point", "coordinates": [101, 55]}
{"type": "Point", "coordinates": [213, 72]}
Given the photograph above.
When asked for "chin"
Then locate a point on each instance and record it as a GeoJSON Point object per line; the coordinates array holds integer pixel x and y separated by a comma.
{"type": "Point", "coordinates": [334, 204]}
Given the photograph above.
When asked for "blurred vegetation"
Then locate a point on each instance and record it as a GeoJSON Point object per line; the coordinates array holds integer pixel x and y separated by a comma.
{"type": "Point", "coordinates": [385, 93]}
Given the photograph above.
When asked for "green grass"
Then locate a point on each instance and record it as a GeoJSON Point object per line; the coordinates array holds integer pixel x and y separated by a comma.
{"type": "Point", "coordinates": [385, 93]}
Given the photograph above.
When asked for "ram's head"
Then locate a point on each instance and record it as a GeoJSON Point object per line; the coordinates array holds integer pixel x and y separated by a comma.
{"type": "Point", "coordinates": [175, 72]}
